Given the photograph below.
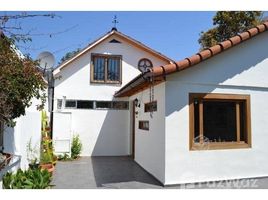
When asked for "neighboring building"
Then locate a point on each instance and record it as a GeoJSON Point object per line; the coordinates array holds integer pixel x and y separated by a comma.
{"type": "Point", "coordinates": [200, 119]}
{"type": "Point", "coordinates": [28, 128]}
{"type": "Point", "coordinates": [14, 140]}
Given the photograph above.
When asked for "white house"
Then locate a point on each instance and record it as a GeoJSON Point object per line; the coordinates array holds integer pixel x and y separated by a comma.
{"type": "Point", "coordinates": [203, 118]}
{"type": "Point", "coordinates": [84, 94]}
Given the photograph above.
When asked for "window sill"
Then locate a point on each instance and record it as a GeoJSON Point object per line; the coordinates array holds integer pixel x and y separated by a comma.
{"type": "Point", "coordinates": [106, 83]}
{"type": "Point", "coordinates": [219, 146]}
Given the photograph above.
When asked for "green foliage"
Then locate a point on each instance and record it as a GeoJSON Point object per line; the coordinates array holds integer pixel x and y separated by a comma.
{"type": "Point", "coordinates": [44, 119]}
{"type": "Point", "coordinates": [29, 179]}
{"type": "Point", "coordinates": [64, 157]}
{"type": "Point", "coordinates": [46, 158]}
{"type": "Point", "coordinates": [76, 147]}
{"type": "Point", "coordinates": [47, 151]}
{"type": "Point", "coordinates": [227, 24]}
{"type": "Point", "coordinates": [69, 55]}
{"type": "Point", "coordinates": [20, 82]}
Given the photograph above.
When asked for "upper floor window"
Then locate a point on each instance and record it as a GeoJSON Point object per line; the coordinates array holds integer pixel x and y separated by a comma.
{"type": "Point", "coordinates": [144, 64]}
{"type": "Point", "coordinates": [106, 68]}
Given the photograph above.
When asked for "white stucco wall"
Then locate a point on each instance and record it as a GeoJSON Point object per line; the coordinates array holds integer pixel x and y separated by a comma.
{"type": "Point", "coordinates": [27, 127]}
{"type": "Point", "coordinates": [150, 145]}
{"type": "Point", "coordinates": [103, 132]}
{"type": "Point", "coordinates": [240, 70]}
{"type": "Point", "coordinates": [75, 77]}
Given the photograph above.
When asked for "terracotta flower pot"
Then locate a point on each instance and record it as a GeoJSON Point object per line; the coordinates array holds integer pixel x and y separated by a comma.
{"type": "Point", "coordinates": [49, 166]}
{"type": "Point", "coordinates": [47, 129]}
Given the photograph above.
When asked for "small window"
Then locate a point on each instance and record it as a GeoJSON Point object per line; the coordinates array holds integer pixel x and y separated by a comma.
{"type": "Point", "coordinates": [144, 125]}
{"type": "Point", "coordinates": [70, 104]}
{"type": "Point", "coordinates": [150, 107]}
{"type": "Point", "coordinates": [120, 105]}
{"type": "Point", "coordinates": [59, 104]}
{"type": "Point", "coordinates": [106, 68]}
{"type": "Point", "coordinates": [114, 41]}
{"type": "Point", "coordinates": [144, 64]}
{"type": "Point", "coordinates": [85, 104]}
{"type": "Point", "coordinates": [104, 104]}
{"type": "Point", "coordinates": [219, 121]}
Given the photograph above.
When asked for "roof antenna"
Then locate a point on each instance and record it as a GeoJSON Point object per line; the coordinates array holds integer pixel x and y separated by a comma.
{"type": "Point", "coordinates": [115, 21]}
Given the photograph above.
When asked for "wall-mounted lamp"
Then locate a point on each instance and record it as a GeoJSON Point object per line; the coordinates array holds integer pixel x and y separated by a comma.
{"type": "Point", "coordinates": [137, 103]}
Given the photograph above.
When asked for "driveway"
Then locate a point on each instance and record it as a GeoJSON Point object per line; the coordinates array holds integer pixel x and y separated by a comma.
{"type": "Point", "coordinates": [124, 173]}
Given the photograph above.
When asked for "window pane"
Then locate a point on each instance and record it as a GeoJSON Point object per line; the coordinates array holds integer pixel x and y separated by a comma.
{"type": "Point", "coordinates": [144, 125]}
{"type": "Point", "coordinates": [70, 104]}
{"type": "Point", "coordinates": [103, 104]}
{"type": "Point", "coordinates": [85, 104]}
{"type": "Point", "coordinates": [150, 107]}
{"type": "Point", "coordinates": [120, 105]}
{"type": "Point", "coordinates": [113, 69]}
{"type": "Point", "coordinates": [196, 121]}
{"type": "Point", "coordinates": [243, 134]}
{"type": "Point", "coordinates": [219, 120]}
{"type": "Point", "coordinates": [99, 68]}
{"type": "Point", "coordinates": [59, 103]}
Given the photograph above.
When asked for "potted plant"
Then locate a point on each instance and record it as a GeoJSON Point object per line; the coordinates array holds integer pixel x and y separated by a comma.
{"type": "Point", "coordinates": [4, 159]}
{"type": "Point", "coordinates": [46, 161]}
{"type": "Point", "coordinates": [32, 155]}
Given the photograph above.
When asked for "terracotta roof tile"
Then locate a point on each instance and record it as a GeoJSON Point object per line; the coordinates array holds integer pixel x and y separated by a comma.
{"type": "Point", "coordinates": [212, 51]}
{"type": "Point", "coordinates": [199, 57]}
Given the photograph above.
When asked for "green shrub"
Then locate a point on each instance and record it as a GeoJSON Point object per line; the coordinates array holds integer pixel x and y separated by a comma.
{"type": "Point", "coordinates": [28, 179]}
{"type": "Point", "coordinates": [64, 157]}
{"type": "Point", "coordinates": [76, 147]}
{"type": "Point", "coordinates": [46, 157]}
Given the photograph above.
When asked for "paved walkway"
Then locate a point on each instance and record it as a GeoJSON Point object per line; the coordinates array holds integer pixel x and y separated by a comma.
{"type": "Point", "coordinates": [124, 173]}
{"type": "Point", "coordinates": [102, 172]}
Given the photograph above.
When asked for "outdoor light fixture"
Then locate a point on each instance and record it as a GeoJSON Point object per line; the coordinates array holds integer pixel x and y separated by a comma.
{"type": "Point", "coordinates": [137, 103]}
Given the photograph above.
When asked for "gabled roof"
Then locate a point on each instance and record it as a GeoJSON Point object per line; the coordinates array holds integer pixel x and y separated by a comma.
{"type": "Point", "coordinates": [121, 36]}
{"type": "Point", "coordinates": [139, 83]}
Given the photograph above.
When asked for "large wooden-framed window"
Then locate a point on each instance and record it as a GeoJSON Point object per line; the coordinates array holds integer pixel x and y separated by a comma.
{"type": "Point", "coordinates": [106, 69]}
{"type": "Point", "coordinates": [219, 121]}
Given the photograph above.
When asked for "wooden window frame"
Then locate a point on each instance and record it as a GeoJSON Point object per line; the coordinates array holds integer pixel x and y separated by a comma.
{"type": "Point", "coordinates": [141, 125]}
{"type": "Point", "coordinates": [219, 97]}
{"type": "Point", "coordinates": [149, 104]}
{"type": "Point", "coordinates": [106, 57]}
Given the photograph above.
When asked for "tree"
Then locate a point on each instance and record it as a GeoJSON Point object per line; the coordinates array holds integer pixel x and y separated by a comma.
{"type": "Point", "coordinates": [69, 55]}
{"type": "Point", "coordinates": [228, 24]}
{"type": "Point", "coordinates": [20, 78]}
{"type": "Point", "coordinates": [20, 82]}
